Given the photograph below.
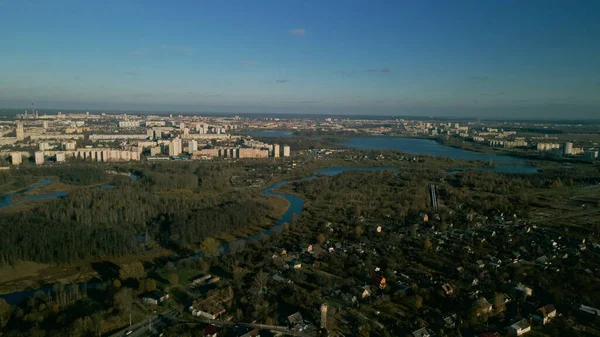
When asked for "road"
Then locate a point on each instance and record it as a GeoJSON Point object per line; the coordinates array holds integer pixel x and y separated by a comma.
{"type": "Point", "coordinates": [141, 329]}
{"type": "Point", "coordinates": [273, 328]}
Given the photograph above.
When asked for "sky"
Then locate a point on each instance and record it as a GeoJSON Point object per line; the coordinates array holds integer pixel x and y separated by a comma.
{"type": "Point", "coordinates": [504, 58]}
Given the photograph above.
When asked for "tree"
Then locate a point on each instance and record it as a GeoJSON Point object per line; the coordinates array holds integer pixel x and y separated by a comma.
{"type": "Point", "coordinates": [117, 283]}
{"type": "Point", "coordinates": [123, 300]}
{"type": "Point", "coordinates": [358, 231]}
{"type": "Point", "coordinates": [149, 285]}
{"type": "Point", "coordinates": [427, 244]}
{"type": "Point", "coordinates": [5, 312]}
{"type": "Point", "coordinates": [320, 238]}
{"type": "Point", "coordinates": [499, 303]}
{"type": "Point", "coordinates": [418, 301]}
{"type": "Point", "coordinates": [209, 247]}
{"type": "Point", "coordinates": [260, 280]}
{"type": "Point", "coordinates": [173, 278]}
{"type": "Point", "coordinates": [133, 270]}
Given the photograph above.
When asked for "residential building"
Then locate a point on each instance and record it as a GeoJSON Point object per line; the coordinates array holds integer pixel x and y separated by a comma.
{"type": "Point", "coordinates": [568, 148]}
{"type": "Point", "coordinates": [520, 328]}
{"type": "Point", "coordinates": [70, 146]}
{"type": "Point", "coordinates": [286, 150]}
{"type": "Point", "coordinates": [276, 151]}
{"type": "Point", "coordinates": [60, 157]}
{"type": "Point", "coordinates": [155, 150]}
{"type": "Point", "coordinates": [192, 146]}
{"type": "Point", "coordinates": [175, 147]}
{"type": "Point", "coordinates": [545, 314]}
{"type": "Point", "coordinates": [129, 124]}
{"type": "Point", "coordinates": [20, 132]}
{"type": "Point", "coordinates": [16, 158]}
{"type": "Point", "coordinates": [39, 157]}
{"type": "Point", "coordinates": [524, 289]}
{"type": "Point", "coordinates": [423, 332]}
{"type": "Point", "coordinates": [155, 297]}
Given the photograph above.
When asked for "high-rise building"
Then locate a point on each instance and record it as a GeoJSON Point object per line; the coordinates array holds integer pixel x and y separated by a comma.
{"type": "Point", "coordinates": [175, 147]}
{"type": "Point", "coordinates": [286, 150]}
{"type": "Point", "coordinates": [276, 151]}
{"type": "Point", "coordinates": [45, 124]}
{"type": "Point", "coordinates": [70, 145]}
{"type": "Point", "coordinates": [192, 146]}
{"type": "Point", "coordinates": [186, 131]}
{"type": "Point", "coordinates": [155, 150]}
{"type": "Point", "coordinates": [568, 150]}
{"type": "Point", "coordinates": [16, 158]}
{"type": "Point", "coordinates": [20, 131]}
{"type": "Point", "coordinates": [39, 158]}
{"type": "Point", "coordinates": [150, 133]}
{"type": "Point", "coordinates": [60, 157]}
{"type": "Point", "coordinates": [157, 134]}
{"type": "Point", "coordinates": [44, 146]}
{"type": "Point", "coordinates": [181, 126]}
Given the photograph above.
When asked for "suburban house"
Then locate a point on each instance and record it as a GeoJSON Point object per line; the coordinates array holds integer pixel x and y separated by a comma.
{"type": "Point", "coordinates": [423, 332]}
{"type": "Point", "coordinates": [545, 314]}
{"type": "Point", "coordinates": [450, 321]}
{"type": "Point", "coordinates": [483, 306]}
{"type": "Point", "coordinates": [380, 281]}
{"type": "Point", "coordinates": [201, 280]}
{"type": "Point", "coordinates": [520, 328]}
{"type": "Point", "coordinates": [447, 289]}
{"type": "Point", "coordinates": [154, 297]}
{"type": "Point", "coordinates": [296, 264]}
{"type": "Point", "coordinates": [296, 322]}
{"type": "Point", "coordinates": [366, 292]}
{"type": "Point", "coordinates": [210, 331]}
{"type": "Point", "coordinates": [524, 289]}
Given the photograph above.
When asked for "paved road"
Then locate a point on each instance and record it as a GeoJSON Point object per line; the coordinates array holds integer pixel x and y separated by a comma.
{"type": "Point", "coordinates": [141, 329]}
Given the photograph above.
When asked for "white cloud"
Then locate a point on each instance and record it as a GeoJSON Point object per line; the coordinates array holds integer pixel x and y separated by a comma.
{"type": "Point", "coordinates": [298, 32]}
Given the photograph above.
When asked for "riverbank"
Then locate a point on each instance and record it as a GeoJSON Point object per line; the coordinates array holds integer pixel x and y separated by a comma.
{"type": "Point", "coordinates": [530, 155]}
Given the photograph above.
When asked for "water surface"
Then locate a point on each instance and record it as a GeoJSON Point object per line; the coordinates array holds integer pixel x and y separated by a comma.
{"type": "Point", "coordinates": [426, 147]}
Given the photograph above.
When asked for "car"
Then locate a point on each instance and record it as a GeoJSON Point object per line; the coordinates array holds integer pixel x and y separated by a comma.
{"type": "Point", "coordinates": [128, 332]}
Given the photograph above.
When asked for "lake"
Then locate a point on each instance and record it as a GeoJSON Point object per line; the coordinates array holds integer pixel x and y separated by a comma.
{"type": "Point", "coordinates": [272, 134]}
{"type": "Point", "coordinates": [426, 147]}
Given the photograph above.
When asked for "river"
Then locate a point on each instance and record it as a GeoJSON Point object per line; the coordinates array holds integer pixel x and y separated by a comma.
{"type": "Point", "coordinates": [430, 147]}
{"type": "Point", "coordinates": [414, 146]}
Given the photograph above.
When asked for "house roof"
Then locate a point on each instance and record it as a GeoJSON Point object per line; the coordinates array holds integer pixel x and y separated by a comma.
{"type": "Point", "coordinates": [520, 325]}
{"type": "Point", "coordinates": [545, 310]}
{"type": "Point", "coordinates": [295, 318]}
{"type": "Point", "coordinates": [423, 332]}
{"type": "Point", "coordinates": [210, 330]}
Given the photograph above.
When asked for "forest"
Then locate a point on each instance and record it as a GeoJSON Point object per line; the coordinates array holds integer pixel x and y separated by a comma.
{"type": "Point", "coordinates": [172, 205]}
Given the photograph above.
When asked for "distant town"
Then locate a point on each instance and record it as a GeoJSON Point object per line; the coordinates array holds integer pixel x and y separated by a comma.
{"type": "Point", "coordinates": [42, 138]}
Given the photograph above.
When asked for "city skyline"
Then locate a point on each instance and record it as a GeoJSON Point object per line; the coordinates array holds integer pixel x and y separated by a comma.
{"type": "Point", "coordinates": [510, 59]}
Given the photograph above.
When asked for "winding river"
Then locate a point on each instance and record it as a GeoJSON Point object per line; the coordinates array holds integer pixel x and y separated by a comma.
{"type": "Point", "coordinates": [296, 203]}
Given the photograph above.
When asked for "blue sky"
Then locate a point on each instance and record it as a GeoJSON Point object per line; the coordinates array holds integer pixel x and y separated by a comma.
{"type": "Point", "coordinates": [435, 58]}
